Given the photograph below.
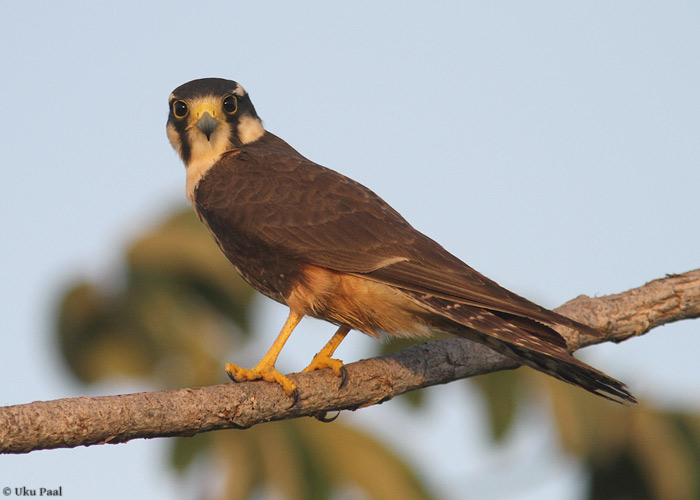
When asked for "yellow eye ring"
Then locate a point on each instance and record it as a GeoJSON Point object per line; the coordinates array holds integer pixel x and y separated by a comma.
{"type": "Point", "coordinates": [180, 109]}
{"type": "Point", "coordinates": [230, 104]}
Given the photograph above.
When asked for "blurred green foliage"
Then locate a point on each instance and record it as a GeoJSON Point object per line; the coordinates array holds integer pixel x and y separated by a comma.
{"type": "Point", "coordinates": [630, 452]}
{"type": "Point", "coordinates": [171, 317]}
{"type": "Point", "coordinates": [178, 308]}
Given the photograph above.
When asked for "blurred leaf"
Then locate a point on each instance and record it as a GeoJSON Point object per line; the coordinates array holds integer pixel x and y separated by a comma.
{"type": "Point", "coordinates": [355, 457]}
{"type": "Point", "coordinates": [100, 337]}
{"type": "Point", "coordinates": [184, 450]}
{"type": "Point", "coordinates": [172, 318]}
{"type": "Point", "coordinates": [180, 253]}
{"type": "Point", "coordinates": [500, 390]}
{"type": "Point", "coordinates": [631, 452]}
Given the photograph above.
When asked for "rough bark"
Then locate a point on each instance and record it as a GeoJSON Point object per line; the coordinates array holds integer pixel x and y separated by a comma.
{"type": "Point", "coordinates": [67, 423]}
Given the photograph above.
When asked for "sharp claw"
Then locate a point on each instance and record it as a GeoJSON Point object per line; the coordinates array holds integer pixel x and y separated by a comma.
{"type": "Point", "coordinates": [268, 374]}
{"type": "Point", "coordinates": [321, 362]}
{"type": "Point", "coordinates": [343, 381]}
{"type": "Point", "coordinates": [322, 417]}
{"type": "Point", "coordinates": [295, 397]}
{"type": "Point", "coordinates": [230, 373]}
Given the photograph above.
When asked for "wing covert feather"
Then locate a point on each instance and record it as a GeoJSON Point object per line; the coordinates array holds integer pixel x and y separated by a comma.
{"type": "Point", "coordinates": [321, 217]}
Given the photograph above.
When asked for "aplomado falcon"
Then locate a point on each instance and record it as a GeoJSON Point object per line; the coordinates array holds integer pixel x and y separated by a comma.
{"type": "Point", "coordinates": [328, 247]}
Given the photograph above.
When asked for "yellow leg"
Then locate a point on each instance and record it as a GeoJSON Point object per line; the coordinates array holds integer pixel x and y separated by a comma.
{"type": "Point", "coordinates": [323, 358]}
{"type": "Point", "coordinates": [265, 370]}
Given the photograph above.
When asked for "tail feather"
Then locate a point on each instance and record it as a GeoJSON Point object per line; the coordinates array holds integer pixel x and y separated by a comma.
{"type": "Point", "coordinates": [523, 339]}
{"type": "Point", "coordinates": [573, 371]}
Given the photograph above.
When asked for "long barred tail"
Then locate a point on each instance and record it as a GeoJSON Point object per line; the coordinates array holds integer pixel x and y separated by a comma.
{"type": "Point", "coordinates": [525, 340]}
{"type": "Point", "coordinates": [569, 369]}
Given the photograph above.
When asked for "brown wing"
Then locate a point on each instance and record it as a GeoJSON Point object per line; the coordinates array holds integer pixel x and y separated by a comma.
{"type": "Point", "coordinates": [311, 214]}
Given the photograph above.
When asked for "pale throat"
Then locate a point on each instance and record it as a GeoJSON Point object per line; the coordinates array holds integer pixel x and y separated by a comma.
{"type": "Point", "coordinates": [205, 153]}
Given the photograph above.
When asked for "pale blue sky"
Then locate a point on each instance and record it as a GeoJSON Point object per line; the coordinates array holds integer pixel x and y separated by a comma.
{"type": "Point", "coordinates": [553, 146]}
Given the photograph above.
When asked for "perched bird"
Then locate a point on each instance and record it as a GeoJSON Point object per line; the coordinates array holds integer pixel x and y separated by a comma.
{"type": "Point", "coordinates": [328, 247]}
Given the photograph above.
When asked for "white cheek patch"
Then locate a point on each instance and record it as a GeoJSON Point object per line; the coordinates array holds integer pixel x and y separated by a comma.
{"type": "Point", "coordinates": [250, 129]}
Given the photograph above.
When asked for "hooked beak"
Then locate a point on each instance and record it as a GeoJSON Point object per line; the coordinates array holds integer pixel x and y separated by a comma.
{"type": "Point", "coordinates": [205, 116]}
{"type": "Point", "coordinates": [207, 124]}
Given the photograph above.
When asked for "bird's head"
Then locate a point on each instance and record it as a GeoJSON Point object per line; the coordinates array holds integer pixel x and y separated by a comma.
{"type": "Point", "coordinates": [209, 117]}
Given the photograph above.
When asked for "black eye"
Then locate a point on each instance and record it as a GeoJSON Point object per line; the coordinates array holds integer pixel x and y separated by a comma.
{"type": "Point", "coordinates": [230, 104]}
{"type": "Point", "coordinates": [180, 109]}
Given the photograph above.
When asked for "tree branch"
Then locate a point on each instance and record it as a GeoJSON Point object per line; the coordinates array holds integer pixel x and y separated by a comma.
{"type": "Point", "coordinates": [66, 423]}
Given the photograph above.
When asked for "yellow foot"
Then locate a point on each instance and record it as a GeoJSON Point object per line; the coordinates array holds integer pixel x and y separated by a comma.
{"type": "Point", "coordinates": [320, 362]}
{"type": "Point", "coordinates": [268, 373]}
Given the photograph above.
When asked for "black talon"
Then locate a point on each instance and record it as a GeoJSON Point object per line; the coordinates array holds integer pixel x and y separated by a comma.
{"type": "Point", "coordinates": [343, 380]}
{"type": "Point", "coordinates": [322, 417]}
{"type": "Point", "coordinates": [295, 398]}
